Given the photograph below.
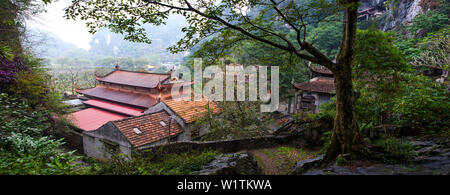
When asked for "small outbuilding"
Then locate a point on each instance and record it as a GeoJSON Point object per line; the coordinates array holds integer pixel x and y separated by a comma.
{"type": "Point", "coordinates": [318, 90]}
{"type": "Point", "coordinates": [128, 134]}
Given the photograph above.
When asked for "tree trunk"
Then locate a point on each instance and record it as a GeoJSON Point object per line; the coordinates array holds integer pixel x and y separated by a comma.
{"type": "Point", "coordinates": [345, 131]}
{"type": "Point", "coordinates": [9, 31]}
{"type": "Point", "coordinates": [345, 136]}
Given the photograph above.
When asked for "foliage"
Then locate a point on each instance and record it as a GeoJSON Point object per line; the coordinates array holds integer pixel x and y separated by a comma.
{"type": "Point", "coordinates": [327, 35]}
{"type": "Point", "coordinates": [5, 52]}
{"type": "Point", "coordinates": [236, 120]}
{"type": "Point", "coordinates": [24, 155]}
{"type": "Point", "coordinates": [435, 49]}
{"type": "Point", "coordinates": [426, 29]}
{"type": "Point", "coordinates": [170, 164]}
{"type": "Point", "coordinates": [326, 140]}
{"type": "Point", "coordinates": [377, 75]}
{"type": "Point", "coordinates": [17, 116]}
{"type": "Point", "coordinates": [227, 48]}
{"type": "Point", "coordinates": [32, 83]}
{"type": "Point", "coordinates": [390, 91]}
{"type": "Point", "coordinates": [395, 151]}
{"type": "Point", "coordinates": [23, 147]}
{"type": "Point", "coordinates": [376, 55]}
{"type": "Point", "coordinates": [202, 18]}
{"type": "Point", "coordinates": [425, 104]}
{"type": "Point", "coordinates": [9, 70]}
{"type": "Point", "coordinates": [431, 21]}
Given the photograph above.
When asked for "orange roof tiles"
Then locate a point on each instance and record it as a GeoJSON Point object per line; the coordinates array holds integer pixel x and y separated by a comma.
{"type": "Point", "coordinates": [114, 107]}
{"type": "Point", "coordinates": [190, 111]}
{"type": "Point", "coordinates": [318, 84]}
{"type": "Point", "coordinates": [121, 96]}
{"type": "Point", "coordinates": [321, 70]}
{"type": "Point", "coordinates": [138, 79]}
{"type": "Point", "coordinates": [150, 126]}
{"type": "Point", "coordinates": [92, 118]}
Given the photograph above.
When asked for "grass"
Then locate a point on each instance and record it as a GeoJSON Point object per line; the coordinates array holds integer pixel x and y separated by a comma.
{"type": "Point", "coordinates": [281, 160]}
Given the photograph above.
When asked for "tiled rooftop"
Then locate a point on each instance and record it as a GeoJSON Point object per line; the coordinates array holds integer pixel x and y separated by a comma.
{"type": "Point", "coordinates": [318, 84]}
{"type": "Point", "coordinates": [121, 109]}
{"type": "Point", "coordinates": [190, 111]}
{"type": "Point", "coordinates": [92, 118]}
{"type": "Point", "coordinates": [150, 127]}
{"type": "Point", "coordinates": [120, 96]}
{"type": "Point", "coordinates": [131, 78]}
{"type": "Point", "coordinates": [320, 69]}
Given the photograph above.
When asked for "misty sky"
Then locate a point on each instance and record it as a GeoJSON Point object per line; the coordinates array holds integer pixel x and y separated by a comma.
{"type": "Point", "coordinates": [71, 31]}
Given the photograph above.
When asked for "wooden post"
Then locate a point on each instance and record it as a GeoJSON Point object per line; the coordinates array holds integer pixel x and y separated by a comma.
{"type": "Point", "coordinates": [295, 101]}
{"type": "Point", "coordinates": [289, 105]}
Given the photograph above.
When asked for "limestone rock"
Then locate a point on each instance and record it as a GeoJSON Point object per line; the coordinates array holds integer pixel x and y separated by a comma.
{"type": "Point", "coordinates": [241, 163]}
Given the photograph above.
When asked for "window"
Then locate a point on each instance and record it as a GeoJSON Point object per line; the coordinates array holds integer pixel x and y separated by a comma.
{"type": "Point", "coordinates": [137, 131]}
{"type": "Point", "coordinates": [111, 147]}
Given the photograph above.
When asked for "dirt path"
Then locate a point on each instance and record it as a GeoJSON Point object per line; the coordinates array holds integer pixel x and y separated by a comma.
{"type": "Point", "coordinates": [280, 160]}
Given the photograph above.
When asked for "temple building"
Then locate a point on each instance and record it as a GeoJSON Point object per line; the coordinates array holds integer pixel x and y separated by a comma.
{"type": "Point", "coordinates": [130, 110]}
{"type": "Point", "coordinates": [318, 90]}
{"type": "Point", "coordinates": [121, 94]}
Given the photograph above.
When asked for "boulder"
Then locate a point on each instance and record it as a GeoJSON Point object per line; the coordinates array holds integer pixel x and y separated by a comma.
{"type": "Point", "coordinates": [304, 165]}
{"type": "Point", "coordinates": [241, 163]}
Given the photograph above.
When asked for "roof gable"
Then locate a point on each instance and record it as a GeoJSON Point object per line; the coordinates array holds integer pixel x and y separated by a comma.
{"type": "Point", "coordinates": [136, 79]}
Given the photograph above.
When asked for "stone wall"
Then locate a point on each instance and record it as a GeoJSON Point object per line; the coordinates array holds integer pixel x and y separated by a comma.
{"type": "Point", "coordinates": [72, 139]}
{"type": "Point", "coordinates": [225, 146]}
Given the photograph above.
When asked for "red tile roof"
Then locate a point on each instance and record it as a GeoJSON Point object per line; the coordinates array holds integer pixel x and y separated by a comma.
{"type": "Point", "coordinates": [120, 96]}
{"type": "Point", "coordinates": [138, 79]}
{"type": "Point", "coordinates": [150, 126]}
{"type": "Point", "coordinates": [190, 111]}
{"type": "Point", "coordinates": [92, 118]}
{"type": "Point", "coordinates": [320, 69]}
{"type": "Point", "coordinates": [318, 84]}
{"type": "Point", "coordinates": [114, 107]}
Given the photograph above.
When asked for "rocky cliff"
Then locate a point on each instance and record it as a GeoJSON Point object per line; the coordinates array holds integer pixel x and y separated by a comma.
{"type": "Point", "coordinates": [394, 12]}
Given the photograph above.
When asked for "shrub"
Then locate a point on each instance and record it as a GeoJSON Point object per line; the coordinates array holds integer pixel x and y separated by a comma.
{"type": "Point", "coordinates": [326, 140]}
{"type": "Point", "coordinates": [435, 49]}
{"type": "Point", "coordinates": [170, 164]}
{"type": "Point", "coordinates": [429, 22]}
{"type": "Point", "coordinates": [237, 120]}
{"type": "Point", "coordinates": [17, 116]}
{"type": "Point", "coordinates": [395, 150]}
{"type": "Point", "coordinates": [23, 155]}
{"type": "Point", "coordinates": [425, 104]}
{"type": "Point", "coordinates": [9, 68]}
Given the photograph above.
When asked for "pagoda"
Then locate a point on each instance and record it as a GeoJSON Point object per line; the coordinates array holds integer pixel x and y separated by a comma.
{"type": "Point", "coordinates": [121, 94]}
{"type": "Point", "coordinates": [319, 89]}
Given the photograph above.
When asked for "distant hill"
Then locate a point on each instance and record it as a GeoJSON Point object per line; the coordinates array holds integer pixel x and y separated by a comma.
{"type": "Point", "coordinates": [107, 46]}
